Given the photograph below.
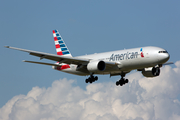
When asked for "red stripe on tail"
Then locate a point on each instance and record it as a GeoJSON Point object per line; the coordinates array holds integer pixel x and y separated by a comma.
{"type": "Point", "coordinates": [57, 46]}
{"type": "Point", "coordinates": [59, 53]}
{"type": "Point", "coordinates": [55, 39]}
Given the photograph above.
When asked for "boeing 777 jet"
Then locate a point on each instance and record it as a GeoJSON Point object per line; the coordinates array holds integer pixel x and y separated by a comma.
{"type": "Point", "coordinates": [148, 60]}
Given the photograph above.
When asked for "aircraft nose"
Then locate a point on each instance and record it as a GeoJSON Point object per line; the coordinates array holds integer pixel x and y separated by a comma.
{"type": "Point", "coordinates": [164, 57]}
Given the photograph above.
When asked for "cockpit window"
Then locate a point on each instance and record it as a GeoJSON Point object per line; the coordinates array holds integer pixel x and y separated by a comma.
{"type": "Point", "coordinates": [163, 52]}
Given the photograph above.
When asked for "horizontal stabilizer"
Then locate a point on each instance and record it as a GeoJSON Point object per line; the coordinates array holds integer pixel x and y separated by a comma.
{"type": "Point", "coordinates": [42, 63]}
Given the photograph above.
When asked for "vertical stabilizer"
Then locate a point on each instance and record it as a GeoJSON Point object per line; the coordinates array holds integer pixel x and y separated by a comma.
{"type": "Point", "coordinates": [60, 45]}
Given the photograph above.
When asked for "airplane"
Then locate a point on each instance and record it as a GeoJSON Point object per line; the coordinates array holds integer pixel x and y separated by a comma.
{"type": "Point", "coordinates": [148, 60]}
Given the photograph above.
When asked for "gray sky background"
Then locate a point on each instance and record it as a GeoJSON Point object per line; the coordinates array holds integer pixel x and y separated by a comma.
{"type": "Point", "coordinates": [86, 27]}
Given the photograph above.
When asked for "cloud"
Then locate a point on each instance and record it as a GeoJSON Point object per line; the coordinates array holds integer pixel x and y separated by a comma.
{"type": "Point", "coordinates": [141, 99]}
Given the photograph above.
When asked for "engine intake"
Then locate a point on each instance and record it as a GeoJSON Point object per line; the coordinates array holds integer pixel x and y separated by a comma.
{"type": "Point", "coordinates": [95, 66]}
{"type": "Point", "coordinates": [151, 72]}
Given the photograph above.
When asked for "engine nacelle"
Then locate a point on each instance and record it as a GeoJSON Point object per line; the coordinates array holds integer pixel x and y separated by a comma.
{"type": "Point", "coordinates": [151, 72]}
{"type": "Point", "coordinates": [95, 66]}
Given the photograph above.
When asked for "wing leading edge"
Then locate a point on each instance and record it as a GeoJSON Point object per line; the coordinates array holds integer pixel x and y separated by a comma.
{"type": "Point", "coordinates": [43, 63]}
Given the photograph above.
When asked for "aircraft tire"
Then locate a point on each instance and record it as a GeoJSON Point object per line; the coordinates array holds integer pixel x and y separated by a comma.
{"type": "Point", "coordinates": [117, 83]}
{"type": "Point", "coordinates": [121, 82]}
{"type": "Point", "coordinates": [126, 81]}
{"type": "Point", "coordinates": [87, 80]}
{"type": "Point", "coordinates": [96, 78]}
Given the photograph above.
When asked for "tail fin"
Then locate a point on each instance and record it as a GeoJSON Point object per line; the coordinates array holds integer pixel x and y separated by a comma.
{"type": "Point", "coordinates": [60, 45]}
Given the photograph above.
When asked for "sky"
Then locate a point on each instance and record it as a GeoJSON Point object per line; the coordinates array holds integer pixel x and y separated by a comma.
{"type": "Point", "coordinates": [87, 27]}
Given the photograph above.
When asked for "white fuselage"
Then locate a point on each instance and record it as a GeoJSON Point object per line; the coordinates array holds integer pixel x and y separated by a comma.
{"type": "Point", "coordinates": [127, 60]}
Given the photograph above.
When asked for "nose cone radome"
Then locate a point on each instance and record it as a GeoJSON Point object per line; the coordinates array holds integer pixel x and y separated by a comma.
{"type": "Point", "coordinates": [164, 57]}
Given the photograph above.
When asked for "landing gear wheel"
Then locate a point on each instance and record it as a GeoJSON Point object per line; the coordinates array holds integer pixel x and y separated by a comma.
{"type": "Point", "coordinates": [87, 80]}
{"type": "Point", "coordinates": [96, 78]}
{"type": "Point", "coordinates": [91, 79]}
{"type": "Point", "coordinates": [122, 82]}
{"type": "Point", "coordinates": [126, 81]}
{"type": "Point", "coordinates": [117, 83]}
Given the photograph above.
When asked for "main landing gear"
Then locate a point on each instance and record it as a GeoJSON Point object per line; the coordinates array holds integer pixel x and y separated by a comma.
{"type": "Point", "coordinates": [91, 79]}
{"type": "Point", "coordinates": [122, 81]}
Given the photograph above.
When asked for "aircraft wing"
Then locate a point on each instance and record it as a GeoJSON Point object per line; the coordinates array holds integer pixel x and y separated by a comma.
{"type": "Point", "coordinates": [42, 63]}
{"type": "Point", "coordinates": [57, 58]}
{"type": "Point", "coordinates": [168, 63]}
{"type": "Point", "coordinates": [60, 59]}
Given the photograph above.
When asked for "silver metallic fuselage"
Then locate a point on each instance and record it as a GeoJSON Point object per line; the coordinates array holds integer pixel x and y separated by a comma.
{"type": "Point", "coordinates": [127, 60]}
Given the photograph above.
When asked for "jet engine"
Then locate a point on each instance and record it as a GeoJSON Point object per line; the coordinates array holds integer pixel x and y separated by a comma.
{"type": "Point", "coordinates": [151, 72]}
{"type": "Point", "coordinates": [95, 66]}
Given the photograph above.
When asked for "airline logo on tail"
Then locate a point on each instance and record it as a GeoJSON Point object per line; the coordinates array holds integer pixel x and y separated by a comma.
{"type": "Point", "coordinates": [61, 47]}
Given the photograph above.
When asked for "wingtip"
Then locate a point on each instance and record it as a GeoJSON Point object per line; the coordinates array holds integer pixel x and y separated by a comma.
{"type": "Point", "coordinates": [6, 46]}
